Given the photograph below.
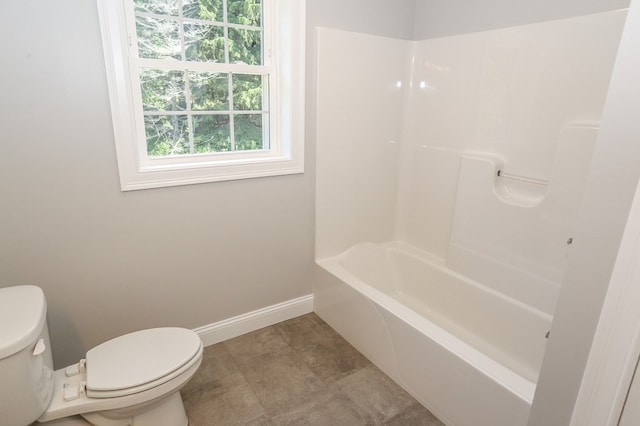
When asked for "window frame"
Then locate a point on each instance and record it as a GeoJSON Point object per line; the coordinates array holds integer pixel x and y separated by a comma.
{"type": "Point", "coordinates": [284, 47]}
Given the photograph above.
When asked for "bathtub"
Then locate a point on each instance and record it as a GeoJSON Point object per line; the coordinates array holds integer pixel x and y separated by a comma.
{"type": "Point", "coordinates": [468, 353]}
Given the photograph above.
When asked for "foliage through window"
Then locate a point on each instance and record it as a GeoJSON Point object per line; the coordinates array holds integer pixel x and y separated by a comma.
{"type": "Point", "coordinates": [204, 90]}
{"type": "Point", "coordinates": [191, 104]}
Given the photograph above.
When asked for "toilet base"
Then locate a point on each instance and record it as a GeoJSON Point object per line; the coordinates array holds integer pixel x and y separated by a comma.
{"type": "Point", "coordinates": [166, 411]}
{"type": "Point", "coordinates": [66, 421]}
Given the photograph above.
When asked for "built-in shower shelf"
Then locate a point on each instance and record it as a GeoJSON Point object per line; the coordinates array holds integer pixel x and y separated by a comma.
{"type": "Point", "coordinates": [520, 190]}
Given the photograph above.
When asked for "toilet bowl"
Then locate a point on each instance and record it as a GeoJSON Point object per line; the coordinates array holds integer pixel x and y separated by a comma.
{"type": "Point", "coordinates": [133, 379]}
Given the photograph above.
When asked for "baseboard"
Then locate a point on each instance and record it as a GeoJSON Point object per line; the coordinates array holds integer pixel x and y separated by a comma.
{"type": "Point", "coordinates": [251, 321]}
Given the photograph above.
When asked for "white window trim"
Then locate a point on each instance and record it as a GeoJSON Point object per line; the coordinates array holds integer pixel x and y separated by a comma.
{"type": "Point", "coordinates": [286, 153]}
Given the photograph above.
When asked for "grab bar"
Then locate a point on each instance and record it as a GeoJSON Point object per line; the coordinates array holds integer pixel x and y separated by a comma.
{"type": "Point", "coordinates": [527, 179]}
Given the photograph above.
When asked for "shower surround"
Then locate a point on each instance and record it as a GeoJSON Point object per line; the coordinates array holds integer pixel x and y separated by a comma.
{"type": "Point", "coordinates": [449, 175]}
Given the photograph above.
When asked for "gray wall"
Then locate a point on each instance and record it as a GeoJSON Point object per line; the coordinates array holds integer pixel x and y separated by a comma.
{"type": "Point", "coordinates": [438, 18]}
{"type": "Point", "coordinates": [380, 17]}
{"type": "Point", "coordinates": [113, 262]}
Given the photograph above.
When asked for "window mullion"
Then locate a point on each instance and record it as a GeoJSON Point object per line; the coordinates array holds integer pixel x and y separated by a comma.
{"type": "Point", "coordinates": [227, 58]}
{"type": "Point", "coordinates": [226, 31]}
{"type": "Point", "coordinates": [266, 128]}
{"type": "Point", "coordinates": [232, 131]}
{"type": "Point", "coordinates": [187, 84]}
{"type": "Point", "coordinates": [204, 66]}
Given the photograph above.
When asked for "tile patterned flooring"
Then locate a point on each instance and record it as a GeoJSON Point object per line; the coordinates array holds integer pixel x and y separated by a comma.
{"type": "Point", "coordinates": [298, 372]}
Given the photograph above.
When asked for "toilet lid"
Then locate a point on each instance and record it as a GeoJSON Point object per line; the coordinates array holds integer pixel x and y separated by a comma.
{"type": "Point", "coordinates": [138, 358]}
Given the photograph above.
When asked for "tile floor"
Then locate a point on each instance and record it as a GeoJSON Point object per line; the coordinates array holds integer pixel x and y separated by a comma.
{"type": "Point", "coordinates": [298, 372]}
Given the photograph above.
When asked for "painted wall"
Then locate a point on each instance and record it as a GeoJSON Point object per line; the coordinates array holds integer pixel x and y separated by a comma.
{"type": "Point", "coordinates": [113, 262]}
{"type": "Point", "coordinates": [378, 17]}
{"type": "Point", "coordinates": [437, 18]}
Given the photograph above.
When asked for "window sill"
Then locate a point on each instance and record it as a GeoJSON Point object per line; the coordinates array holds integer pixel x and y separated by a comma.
{"type": "Point", "coordinates": [188, 174]}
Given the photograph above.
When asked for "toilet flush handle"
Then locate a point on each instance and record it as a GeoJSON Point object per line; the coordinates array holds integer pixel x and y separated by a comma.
{"type": "Point", "coordinates": [39, 348]}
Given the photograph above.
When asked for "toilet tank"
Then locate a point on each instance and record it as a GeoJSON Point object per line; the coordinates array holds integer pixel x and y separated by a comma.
{"type": "Point", "coordinates": [26, 366]}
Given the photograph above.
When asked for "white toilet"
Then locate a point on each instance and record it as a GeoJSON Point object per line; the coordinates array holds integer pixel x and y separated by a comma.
{"type": "Point", "coordinates": [130, 380]}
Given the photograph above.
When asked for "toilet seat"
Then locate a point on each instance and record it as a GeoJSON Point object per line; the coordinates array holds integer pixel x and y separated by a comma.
{"type": "Point", "coordinates": [139, 361]}
{"type": "Point", "coordinates": [154, 388]}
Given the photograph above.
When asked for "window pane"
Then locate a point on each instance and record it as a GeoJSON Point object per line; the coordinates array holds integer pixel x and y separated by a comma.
{"type": "Point", "coordinates": [248, 131]}
{"type": "Point", "coordinates": [211, 133]}
{"type": "Point", "coordinates": [204, 43]}
{"type": "Point", "coordinates": [245, 46]}
{"type": "Point", "coordinates": [166, 134]}
{"type": "Point", "coordinates": [158, 38]}
{"type": "Point", "coordinates": [245, 12]}
{"type": "Point", "coordinates": [247, 92]}
{"type": "Point", "coordinates": [162, 90]}
{"type": "Point", "coordinates": [209, 91]}
{"type": "Point", "coordinates": [163, 7]}
{"type": "Point", "coordinates": [210, 10]}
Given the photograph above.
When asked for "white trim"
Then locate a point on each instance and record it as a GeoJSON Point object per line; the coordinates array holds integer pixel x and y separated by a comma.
{"type": "Point", "coordinates": [251, 321]}
{"type": "Point", "coordinates": [285, 66]}
{"type": "Point", "coordinates": [616, 345]}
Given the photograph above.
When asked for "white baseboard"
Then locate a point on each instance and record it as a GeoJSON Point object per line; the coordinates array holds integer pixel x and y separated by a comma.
{"type": "Point", "coordinates": [251, 321]}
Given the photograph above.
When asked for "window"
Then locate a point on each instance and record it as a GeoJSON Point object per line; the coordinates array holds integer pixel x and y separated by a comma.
{"type": "Point", "coordinates": [204, 90]}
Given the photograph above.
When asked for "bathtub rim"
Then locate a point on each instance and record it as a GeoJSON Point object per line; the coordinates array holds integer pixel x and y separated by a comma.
{"type": "Point", "coordinates": [506, 377]}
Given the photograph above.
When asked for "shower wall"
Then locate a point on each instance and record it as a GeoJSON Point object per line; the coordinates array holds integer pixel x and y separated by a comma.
{"type": "Point", "coordinates": [411, 136]}
{"type": "Point", "coordinates": [361, 85]}
{"type": "Point", "coordinates": [526, 101]}
{"type": "Point", "coordinates": [508, 93]}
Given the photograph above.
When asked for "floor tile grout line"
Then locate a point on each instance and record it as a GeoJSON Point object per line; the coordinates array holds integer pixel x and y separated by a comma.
{"type": "Point", "coordinates": [296, 354]}
{"type": "Point", "coordinates": [248, 382]}
{"type": "Point", "coordinates": [308, 346]}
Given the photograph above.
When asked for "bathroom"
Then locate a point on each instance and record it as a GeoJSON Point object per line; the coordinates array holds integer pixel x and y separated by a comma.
{"type": "Point", "coordinates": [111, 262]}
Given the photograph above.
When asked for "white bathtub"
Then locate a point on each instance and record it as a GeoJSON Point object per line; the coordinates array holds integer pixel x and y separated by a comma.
{"type": "Point", "coordinates": [468, 353]}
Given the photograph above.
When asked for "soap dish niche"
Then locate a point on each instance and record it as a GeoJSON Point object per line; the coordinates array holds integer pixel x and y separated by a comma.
{"type": "Point", "coordinates": [524, 191]}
